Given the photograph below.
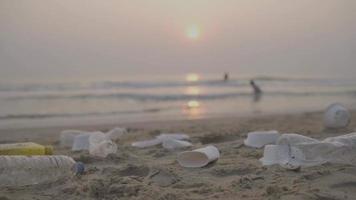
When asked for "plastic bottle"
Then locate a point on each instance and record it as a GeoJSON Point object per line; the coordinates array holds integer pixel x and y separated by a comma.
{"type": "Point", "coordinates": [24, 170]}
{"type": "Point", "coordinates": [26, 148]}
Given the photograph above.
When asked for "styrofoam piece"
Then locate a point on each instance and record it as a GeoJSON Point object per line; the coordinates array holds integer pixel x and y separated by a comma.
{"type": "Point", "coordinates": [199, 157]}
{"type": "Point", "coordinates": [336, 116]}
{"type": "Point", "coordinates": [173, 144]}
{"type": "Point", "coordinates": [259, 139]}
{"type": "Point", "coordinates": [66, 138]}
{"type": "Point", "coordinates": [116, 133]}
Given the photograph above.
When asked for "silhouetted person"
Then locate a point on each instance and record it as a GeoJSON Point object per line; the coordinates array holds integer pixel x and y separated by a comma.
{"type": "Point", "coordinates": [226, 77]}
{"type": "Point", "coordinates": [256, 91]}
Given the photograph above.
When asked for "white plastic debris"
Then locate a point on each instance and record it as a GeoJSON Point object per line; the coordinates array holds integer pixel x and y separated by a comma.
{"type": "Point", "coordinates": [177, 136]}
{"type": "Point", "coordinates": [147, 143]}
{"type": "Point", "coordinates": [160, 139]}
{"type": "Point", "coordinates": [116, 133]}
{"type": "Point", "coordinates": [81, 142]}
{"type": "Point", "coordinates": [66, 138]}
{"type": "Point", "coordinates": [103, 148]}
{"type": "Point", "coordinates": [199, 157]}
{"type": "Point", "coordinates": [259, 139]}
{"type": "Point", "coordinates": [293, 151]}
{"type": "Point", "coordinates": [336, 116]}
{"type": "Point", "coordinates": [173, 144]}
{"type": "Point", "coordinates": [97, 143]}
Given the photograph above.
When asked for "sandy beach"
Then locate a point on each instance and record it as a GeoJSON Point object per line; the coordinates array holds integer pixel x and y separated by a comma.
{"type": "Point", "coordinates": [153, 173]}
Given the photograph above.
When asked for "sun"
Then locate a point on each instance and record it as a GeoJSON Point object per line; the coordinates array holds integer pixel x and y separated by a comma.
{"type": "Point", "coordinates": [192, 77]}
{"type": "Point", "coordinates": [193, 32]}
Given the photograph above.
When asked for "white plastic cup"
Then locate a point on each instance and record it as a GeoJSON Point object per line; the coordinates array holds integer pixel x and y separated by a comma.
{"type": "Point", "coordinates": [173, 144]}
{"type": "Point", "coordinates": [67, 137]}
{"type": "Point", "coordinates": [81, 142]}
{"type": "Point", "coordinates": [259, 139]}
{"type": "Point", "coordinates": [336, 116]}
{"type": "Point", "coordinates": [199, 157]}
{"type": "Point", "coordinates": [270, 155]}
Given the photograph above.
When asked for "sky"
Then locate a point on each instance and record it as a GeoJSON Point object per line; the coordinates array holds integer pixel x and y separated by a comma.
{"type": "Point", "coordinates": [85, 38]}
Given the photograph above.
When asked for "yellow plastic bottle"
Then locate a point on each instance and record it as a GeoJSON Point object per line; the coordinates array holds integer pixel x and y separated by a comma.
{"type": "Point", "coordinates": [26, 148]}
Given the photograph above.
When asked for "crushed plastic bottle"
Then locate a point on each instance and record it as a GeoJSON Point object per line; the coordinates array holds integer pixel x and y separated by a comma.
{"type": "Point", "coordinates": [293, 151]}
{"type": "Point", "coordinates": [25, 170]}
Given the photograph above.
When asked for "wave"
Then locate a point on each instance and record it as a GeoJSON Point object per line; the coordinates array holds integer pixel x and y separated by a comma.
{"type": "Point", "coordinates": [172, 97]}
{"type": "Point", "coordinates": [238, 82]}
{"type": "Point", "coordinates": [72, 115]}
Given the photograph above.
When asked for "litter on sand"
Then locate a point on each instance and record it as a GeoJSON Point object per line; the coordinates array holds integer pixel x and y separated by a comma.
{"type": "Point", "coordinates": [336, 116]}
{"type": "Point", "coordinates": [258, 139]}
{"type": "Point", "coordinates": [170, 141]}
{"type": "Point", "coordinates": [97, 143]}
{"type": "Point", "coordinates": [293, 151]}
{"type": "Point", "coordinates": [199, 157]}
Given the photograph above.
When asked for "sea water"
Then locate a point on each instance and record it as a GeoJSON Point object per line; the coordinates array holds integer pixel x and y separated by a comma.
{"type": "Point", "coordinates": [129, 99]}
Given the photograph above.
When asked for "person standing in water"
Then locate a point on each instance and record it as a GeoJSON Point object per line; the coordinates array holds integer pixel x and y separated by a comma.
{"type": "Point", "coordinates": [226, 77]}
{"type": "Point", "coordinates": [256, 91]}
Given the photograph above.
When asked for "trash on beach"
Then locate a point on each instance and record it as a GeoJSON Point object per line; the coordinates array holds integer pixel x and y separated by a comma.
{"type": "Point", "coordinates": [172, 144]}
{"type": "Point", "coordinates": [169, 141]}
{"type": "Point", "coordinates": [336, 116]}
{"type": "Point", "coordinates": [199, 157]}
{"type": "Point", "coordinates": [97, 143]}
{"type": "Point", "coordinates": [147, 143]}
{"type": "Point", "coordinates": [293, 151]}
{"type": "Point", "coordinates": [81, 142]}
{"type": "Point", "coordinates": [23, 170]}
{"type": "Point", "coordinates": [116, 133]}
{"type": "Point", "coordinates": [26, 149]}
{"type": "Point", "coordinates": [258, 139]}
{"type": "Point", "coordinates": [100, 145]}
{"type": "Point", "coordinates": [66, 138]}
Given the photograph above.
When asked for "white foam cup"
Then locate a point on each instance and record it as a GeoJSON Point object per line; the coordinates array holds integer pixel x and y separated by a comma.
{"type": "Point", "coordinates": [259, 139]}
{"type": "Point", "coordinates": [199, 157]}
{"type": "Point", "coordinates": [336, 116]}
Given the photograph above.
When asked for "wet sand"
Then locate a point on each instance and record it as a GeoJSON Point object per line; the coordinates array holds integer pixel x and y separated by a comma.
{"type": "Point", "coordinates": [153, 173]}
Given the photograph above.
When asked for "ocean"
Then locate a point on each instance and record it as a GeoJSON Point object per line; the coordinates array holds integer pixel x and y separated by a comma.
{"type": "Point", "coordinates": [154, 98]}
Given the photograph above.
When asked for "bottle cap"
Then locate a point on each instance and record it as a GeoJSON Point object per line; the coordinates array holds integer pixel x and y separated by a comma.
{"type": "Point", "coordinates": [79, 168]}
{"type": "Point", "coordinates": [48, 150]}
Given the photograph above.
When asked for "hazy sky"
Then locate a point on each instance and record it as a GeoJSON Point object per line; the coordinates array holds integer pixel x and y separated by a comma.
{"type": "Point", "coordinates": [70, 38]}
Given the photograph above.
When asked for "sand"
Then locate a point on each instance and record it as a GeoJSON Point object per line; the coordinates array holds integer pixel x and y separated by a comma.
{"type": "Point", "coordinates": [153, 173]}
